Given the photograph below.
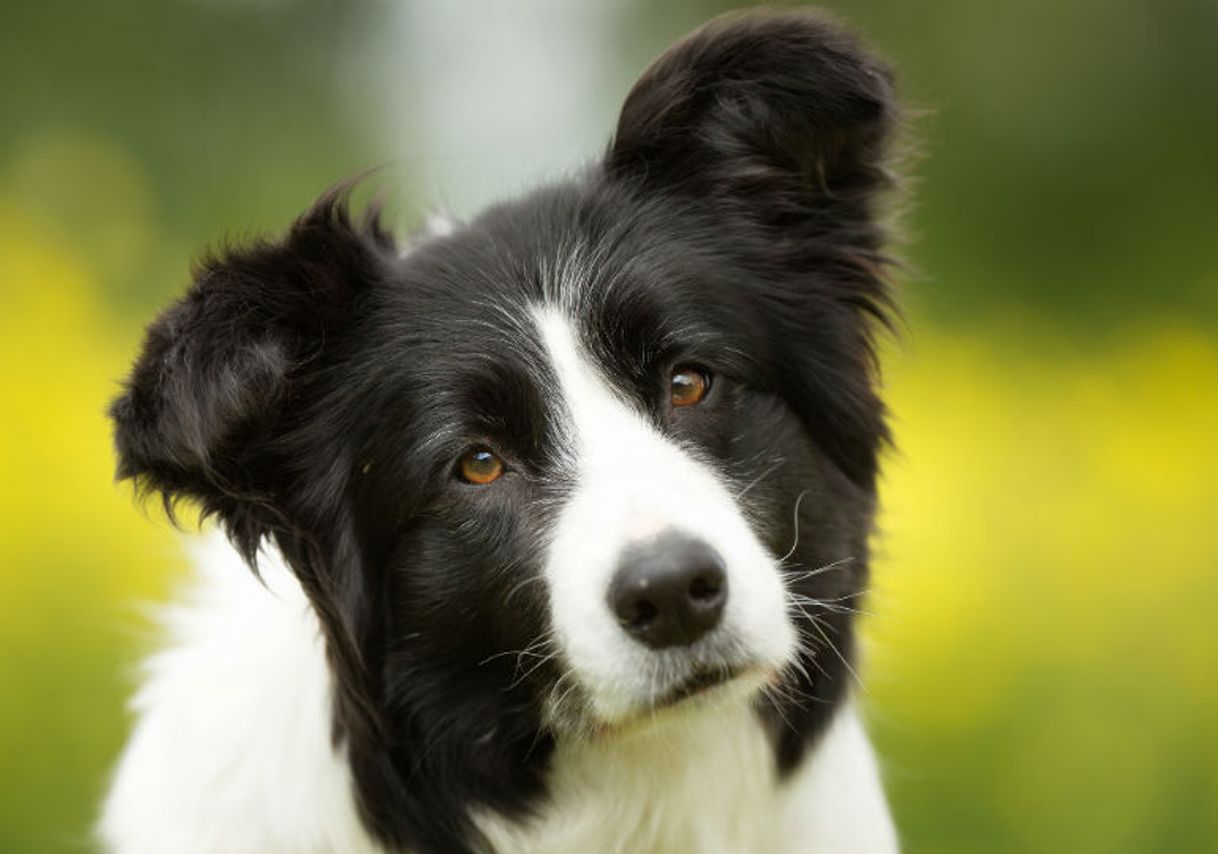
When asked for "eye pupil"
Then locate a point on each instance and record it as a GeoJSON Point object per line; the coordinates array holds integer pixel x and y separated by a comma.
{"type": "Point", "coordinates": [480, 466]}
{"type": "Point", "coordinates": [689, 386]}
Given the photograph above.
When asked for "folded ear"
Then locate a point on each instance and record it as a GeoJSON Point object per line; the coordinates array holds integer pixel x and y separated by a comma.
{"type": "Point", "coordinates": [216, 378]}
{"type": "Point", "coordinates": [780, 109]}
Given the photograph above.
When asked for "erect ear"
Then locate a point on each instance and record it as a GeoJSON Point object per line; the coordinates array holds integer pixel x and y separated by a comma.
{"type": "Point", "coordinates": [781, 108]}
{"type": "Point", "coordinates": [221, 369]}
{"type": "Point", "coordinates": [773, 128]}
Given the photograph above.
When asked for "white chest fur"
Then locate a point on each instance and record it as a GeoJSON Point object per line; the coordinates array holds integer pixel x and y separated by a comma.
{"type": "Point", "coordinates": [707, 785]}
{"type": "Point", "coordinates": [231, 753]}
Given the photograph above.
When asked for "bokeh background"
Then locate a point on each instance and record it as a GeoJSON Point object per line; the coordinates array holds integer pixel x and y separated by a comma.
{"type": "Point", "coordinates": [1043, 650]}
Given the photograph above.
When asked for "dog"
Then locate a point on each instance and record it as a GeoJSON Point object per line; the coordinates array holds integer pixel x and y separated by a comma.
{"type": "Point", "coordinates": [558, 517]}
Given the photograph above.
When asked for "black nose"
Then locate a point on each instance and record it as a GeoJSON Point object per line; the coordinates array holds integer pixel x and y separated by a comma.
{"type": "Point", "coordinates": [669, 591]}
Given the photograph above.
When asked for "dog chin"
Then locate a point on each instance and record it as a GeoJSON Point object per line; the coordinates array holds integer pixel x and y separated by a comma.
{"type": "Point", "coordinates": [700, 690]}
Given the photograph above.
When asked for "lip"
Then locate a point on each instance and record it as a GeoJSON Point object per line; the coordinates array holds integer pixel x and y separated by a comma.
{"type": "Point", "coordinates": [700, 682]}
{"type": "Point", "coordinates": [693, 690]}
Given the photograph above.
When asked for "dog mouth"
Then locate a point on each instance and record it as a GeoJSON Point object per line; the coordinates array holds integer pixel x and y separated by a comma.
{"type": "Point", "coordinates": [703, 686]}
{"type": "Point", "coordinates": [701, 682]}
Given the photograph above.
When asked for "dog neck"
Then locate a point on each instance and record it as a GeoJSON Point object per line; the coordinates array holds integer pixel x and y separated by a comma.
{"type": "Point", "coordinates": [703, 780]}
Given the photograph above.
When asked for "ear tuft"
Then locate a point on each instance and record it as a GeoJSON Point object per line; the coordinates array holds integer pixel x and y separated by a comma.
{"type": "Point", "coordinates": [752, 97]}
{"type": "Point", "coordinates": [215, 378]}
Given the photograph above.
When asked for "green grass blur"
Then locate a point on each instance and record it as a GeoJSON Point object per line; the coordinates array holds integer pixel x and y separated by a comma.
{"type": "Point", "coordinates": [1042, 650]}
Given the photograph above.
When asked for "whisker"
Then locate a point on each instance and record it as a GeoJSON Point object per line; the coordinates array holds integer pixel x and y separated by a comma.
{"type": "Point", "coordinates": [802, 576]}
{"type": "Point", "coordinates": [805, 650]}
{"type": "Point", "coordinates": [815, 623]}
{"type": "Point", "coordinates": [516, 588]}
{"type": "Point", "coordinates": [798, 697]}
{"type": "Point", "coordinates": [777, 698]}
{"type": "Point", "coordinates": [758, 479]}
{"type": "Point", "coordinates": [539, 642]}
{"type": "Point", "coordinates": [827, 605]}
{"type": "Point", "coordinates": [561, 699]}
{"type": "Point", "coordinates": [541, 661]}
{"type": "Point", "coordinates": [795, 516]}
{"type": "Point", "coordinates": [797, 663]}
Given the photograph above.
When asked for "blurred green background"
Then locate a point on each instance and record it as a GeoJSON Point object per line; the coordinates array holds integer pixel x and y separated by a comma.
{"type": "Point", "coordinates": [1043, 651]}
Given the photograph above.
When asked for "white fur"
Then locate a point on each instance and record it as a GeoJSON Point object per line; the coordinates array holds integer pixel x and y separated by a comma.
{"type": "Point", "coordinates": [632, 482]}
{"type": "Point", "coordinates": [836, 802]}
{"type": "Point", "coordinates": [707, 784]}
{"type": "Point", "coordinates": [231, 755]}
{"type": "Point", "coordinates": [231, 751]}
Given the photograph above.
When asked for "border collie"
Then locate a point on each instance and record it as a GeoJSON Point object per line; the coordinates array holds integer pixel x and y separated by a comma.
{"type": "Point", "coordinates": [558, 517]}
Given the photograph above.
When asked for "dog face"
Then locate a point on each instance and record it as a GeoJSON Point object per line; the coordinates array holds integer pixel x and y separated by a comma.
{"type": "Point", "coordinates": [605, 450]}
{"type": "Point", "coordinates": [603, 486]}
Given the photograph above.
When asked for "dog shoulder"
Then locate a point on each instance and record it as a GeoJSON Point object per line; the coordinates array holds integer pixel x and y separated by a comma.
{"type": "Point", "coordinates": [835, 801]}
{"type": "Point", "coordinates": [232, 737]}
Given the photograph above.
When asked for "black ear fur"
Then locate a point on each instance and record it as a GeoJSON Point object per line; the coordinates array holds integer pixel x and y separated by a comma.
{"type": "Point", "coordinates": [218, 369]}
{"type": "Point", "coordinates": [758, 102]}
{"type": "Point", "coordinates": [773, 127]}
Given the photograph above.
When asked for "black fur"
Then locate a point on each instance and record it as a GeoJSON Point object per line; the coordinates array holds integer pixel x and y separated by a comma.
{"type": "Point", "coordinates": [316, 390]}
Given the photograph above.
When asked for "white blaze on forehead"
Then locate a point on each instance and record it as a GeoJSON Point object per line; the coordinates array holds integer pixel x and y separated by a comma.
{"type": "Point", "coordinates": [630, 482]}
{"type": "Point", "coordinates": [608, 438]}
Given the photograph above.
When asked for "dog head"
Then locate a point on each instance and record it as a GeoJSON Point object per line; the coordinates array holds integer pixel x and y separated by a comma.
{"type": "Point", "coordinates": [605, 451]}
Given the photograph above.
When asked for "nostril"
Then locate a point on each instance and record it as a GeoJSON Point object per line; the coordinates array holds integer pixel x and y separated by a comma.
{"type": "Point", "coordinates": [641, 615]}
{"type": "Point", "coordinates": [706, 588]}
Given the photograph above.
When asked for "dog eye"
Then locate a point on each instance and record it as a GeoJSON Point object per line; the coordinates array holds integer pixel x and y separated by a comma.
{"type": "Point", "coordinates": [480, 467]}
{"type": "Point", "coordinates": [689, 385]}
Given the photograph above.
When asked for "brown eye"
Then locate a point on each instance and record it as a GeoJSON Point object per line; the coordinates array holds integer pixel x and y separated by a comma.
{"type": "Point", "coordinates": [689, 385]}
{"type": "Point", "coordinates": [480, 467]}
